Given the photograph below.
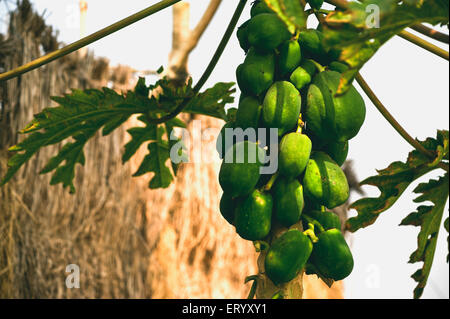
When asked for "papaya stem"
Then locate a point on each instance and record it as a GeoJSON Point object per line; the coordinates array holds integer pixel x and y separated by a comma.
{"type": "Point", "coordinates": [429, 32]}
{"type": "Point", "coordinates": [314, 222]}
{"type": "Point", "coordinates": [318, 66]}
{"type": "Point", "coordinates": [300, 125]}
{"type": "Point", "coordinates": [252, 293]}
{"type": "Point", "coordinates": [270, 183]}
{"type": "Point", "coordinates": [278, 295]}
{"type": "Point", "coordinates": [261, 245]}
{"type": "Point", "coordinates": [87, 40]}
{"type": "Point", "coordinates": [396, 125]}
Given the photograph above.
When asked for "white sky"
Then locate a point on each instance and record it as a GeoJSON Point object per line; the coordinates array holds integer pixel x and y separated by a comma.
{"type": "Point", "coordinates": [411, 82]}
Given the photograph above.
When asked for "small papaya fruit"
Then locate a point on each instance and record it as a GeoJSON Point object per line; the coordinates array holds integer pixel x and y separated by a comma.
{"type": "Point", "coordinates": [309, 67]}
{"type": "Point", "coordinates": [327, 219]}
{"type": "Point", "coordinates": [256, 74]}
{"type": "Point", "coordinates": [240, 169]}
{"type": "Point", "coordinates": [287, 256]}
{"type": "Point", "coordinates": [289, 57]}
{"type": "Point", "coordinates": [253, 216]}
{"type": "Point", "coordinates": [333, 118]}
{"type": "Point", "coordinates": [300, 78]}
{"type": "Point", "coordinates": [312, 41]}
{"type": "Point", "coordinates": [248, 113]}
{"type": "Point", "coordinates": [332, 256]}
{"type": "Point", "coordinates": [242, 35]}
{"type": "Point", "coordinates": [281, 107]}
{"type": "Point", "coordinates": [324, 181]}
{"type": "Point", "coordinates": [295, 150]}
{"type": "Point", "coordinates": [338, 151]}
{"type": "Point", "coordinates": [258, 8]}
{"type": "Point", "coordinates": [288, 200]}
{"type": "Point", "coordinates": [227, 207]}
{"type": "Point", "coordinates": [338, 67]}
{"type": "Point", "coordinates": [221, 143]}
{"type": "Point", "coordinates": [266, 32]}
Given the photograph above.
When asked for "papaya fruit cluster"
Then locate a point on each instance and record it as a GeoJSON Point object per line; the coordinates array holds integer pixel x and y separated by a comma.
{"type": "Point", "coordinates": [289, 82]}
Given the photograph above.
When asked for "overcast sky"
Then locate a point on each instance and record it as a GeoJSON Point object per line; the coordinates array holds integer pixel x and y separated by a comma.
{"type": "Point", "coordinates": [411, 82]}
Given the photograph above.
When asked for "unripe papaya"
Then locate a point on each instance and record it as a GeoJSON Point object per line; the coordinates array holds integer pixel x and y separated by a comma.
{"type": "Point", "coordinates": [221, 143]}
{"type": "Point", "coordinates": [239, 171]}
{"type": "Point", "coordinates": [338, 67]}
{"type": "Point", "coordinates": [248, 113]}
{"type": "Point", "coordinates": [333, 118]}
{"type": "Point", "coordinates": [332, 256]}
{"type": "Point", "coordinates": [281, 107]}
{"type": "Point", "coordinates": [289, 57]}
{"type": "Point", "coordinates": [288, 201]}
{"type": "Point", "coordinates": [324, 181]}
{"type": "Point", "coordinates": [338, 151]}
{"type": "Point", "coordinates": [300, 77]}
{"type": "Point", "coordinates": [287, 256]}
{"type": "Point", "coordinates": [258, 8]}
{"type": "Point", "coordinates": [309, 67]}
{"type": "Point", "coordinates": [256, 74]}
{"type": "Point", "coordinates": [242, 35]}
{"type": "Point", "coordinates": [227, 207]}
{"type": "Point", "coordinates": [254, 216]}
{"type": "Point", "coordinates": [266, 32]}
{"type": "Point", "coordinates": [312, 41]}
{"type": "Point", "coordinates": [295, 150]}
{"type": "Point", "coordinates": [327, 219]}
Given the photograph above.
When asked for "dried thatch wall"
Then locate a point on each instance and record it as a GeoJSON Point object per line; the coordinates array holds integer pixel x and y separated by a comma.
{"type": "Point", "coordinates": [129, 242]}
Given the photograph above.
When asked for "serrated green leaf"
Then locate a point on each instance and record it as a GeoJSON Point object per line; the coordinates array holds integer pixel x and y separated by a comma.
{"type": "Point", "coordinates": [393, 181]}
{"type": "Point", "coordinates": [291, 12]}
{"type": "Point", "coordinates": [429, 219]}
{"type": "Point", "coordinates": [212, 102]}
{"type": "Point", "coordinates": [359, 40]}
{"type": "Point", "coordinates": [139, 135]}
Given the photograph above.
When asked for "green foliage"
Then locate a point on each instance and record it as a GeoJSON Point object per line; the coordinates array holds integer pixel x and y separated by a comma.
{"type": "Point", "coordinates": [392, 182]}
{"type": "Point", "coordinates": [291, 12]}
{"type": "Point", "coordinates": [429, 219]}
{"type": "Point", "coordinates": [81, 114]}
{"type": "Point", "coordinates": [358, 41]}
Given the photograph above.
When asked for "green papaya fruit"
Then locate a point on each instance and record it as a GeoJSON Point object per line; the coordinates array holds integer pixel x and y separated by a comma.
{"type": "Point", "coordinates": [300, 78]}
{"type": "Point", "coordinates": [266, 32]}
{"type": "Point", "coordinates": [324, 181]}
{"type": "Point", "coordinates": [338, 151]}
{"type": "Point", "coordinates": [332, 256]}
{"type": "Point", "coordinates": [294, 153]}
{"type": "Point", "coordinates": [338, 67]}
{"type": "Point", "coordinates": [248, 113]}
{"type": "Point", "coordinates": [333, 118]}
{"type": "Point", "coordinates": [315, 4]}
{"type": "Point", "coordinates": [242, 35]}
{"type": "Point", "coordinates": [227, 207]}
{"type": "Point", "coordinates": [240, 169]}
{"type": "Point", "coordinates": [309, 67]}
{"type": "Point", "coordinates": [258, 8]}
{"type": "Point", "coordinates": [254, 216]}
{"type": "Point", "coordinates": [312, 41]}
{"type": "Point", "coordinates": [281, 107]}
{"type": "Point", "coordinates": [288, 201]}
{"type": "Point", "coordinates": [289, 57]}
{"type": "Point", "coordinates": [256, 74]}
{"type": "Point", "coordinates": [221, 145]}
{"type": "Point", "coordinates": [287, 256]}
{"type": "Point", "coordinates": [327, 219]}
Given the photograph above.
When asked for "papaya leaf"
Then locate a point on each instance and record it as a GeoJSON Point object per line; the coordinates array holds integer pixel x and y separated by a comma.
{"type": "Point", "coordinates": [212, 102]}
{"type": "Point", "coordinates": [79, 115]}
{"type": "Point", "coordinates": [394, 180]}
{"type": "Point", "coordinates": [291, 12]}
{"type": "Point", "coordinates": [310, 269]}
{"type": "Point", "coordinates": [365, 26]}
{"type": "Point", "coordinates": [154, 162]}
{"type": "Point", "coordinates": [429, 218]}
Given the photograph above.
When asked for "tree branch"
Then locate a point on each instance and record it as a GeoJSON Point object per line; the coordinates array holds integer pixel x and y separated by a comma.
{"type": "Point", "coordinates": [429, 32]}
{"type": "Point", "coordinates": [204, 22]}
{"type": "Point", "coordinates": [87, 40]}
{"type": "Point", "coordinates": [388, 116]}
